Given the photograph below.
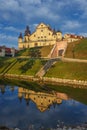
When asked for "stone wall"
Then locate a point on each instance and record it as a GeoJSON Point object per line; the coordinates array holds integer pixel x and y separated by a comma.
{"type": "Point", "coordinates": [74, 83]}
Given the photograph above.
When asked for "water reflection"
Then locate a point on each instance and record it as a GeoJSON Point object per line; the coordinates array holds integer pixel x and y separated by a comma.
{"type": "Point", "coordinates": [22, 106]}
{"type": "Point", "coordinates": [42, 100]}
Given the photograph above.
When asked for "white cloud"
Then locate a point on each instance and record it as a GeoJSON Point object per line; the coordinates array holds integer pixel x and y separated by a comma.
{"type": "Point", "coordinates": [8, 40]}
{"type": "Point", "coordinates": [11, 28]}
{"type": "Point", "coordinates": [7, 37]}
{"type": "Point", "coordinates": [66, 14]}
{"type": "Point", "coordinates": [9, 5]}
{"type": "Point", "coordinates": [71, 25]}
{"type": "Point", "coordinates": [83, 34]}
{"type": "Point", "coordinates": [82, 6]}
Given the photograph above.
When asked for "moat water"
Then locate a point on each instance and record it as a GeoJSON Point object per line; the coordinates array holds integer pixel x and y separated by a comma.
{"type": "Point", "coordinates": [24, 106]}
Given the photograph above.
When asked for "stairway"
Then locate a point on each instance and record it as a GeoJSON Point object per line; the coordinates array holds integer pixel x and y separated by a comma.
{"type": "Point", "coordinates": [60, 45]}
{"type": "Point", "coordinates": [46, 67]}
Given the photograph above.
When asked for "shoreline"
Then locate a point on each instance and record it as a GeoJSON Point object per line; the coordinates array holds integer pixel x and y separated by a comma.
{"type": "Point", "coordinates": [42, 80]}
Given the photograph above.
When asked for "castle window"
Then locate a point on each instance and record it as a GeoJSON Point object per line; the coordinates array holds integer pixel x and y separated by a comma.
{"type": "Point", "coordinates": [38, 37]}
{"type": "Point", "coordinates": [41, 25]}
{"type": "Point", "coordinates": [41, 30]}
{"type": "Point", "coordinates": [36, 44]}
{"type": "Point", "coordinates": [49, 33]}
{"type": "Point", "coordinates": [34, 35]}
{"type": "Point", "coordinates": [41, 36]}
{"type": "Point", "coordinates": [44, 36]}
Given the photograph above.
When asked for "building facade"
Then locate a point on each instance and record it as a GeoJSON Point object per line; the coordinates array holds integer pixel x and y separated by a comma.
{"type": "Point", "coordinates": [43, 36]}
{"type": "Point", "coordinates": [72, 37]}
{"type": "Point", "coordinates": [5, 51]}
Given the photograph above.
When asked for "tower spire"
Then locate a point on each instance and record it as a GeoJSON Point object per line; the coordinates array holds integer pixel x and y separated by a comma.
{"type": "Point", "coordinates": [27, 31]}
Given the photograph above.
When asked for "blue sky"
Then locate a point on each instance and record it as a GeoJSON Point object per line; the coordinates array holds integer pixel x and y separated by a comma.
{"type": "Point", "coordinates": [69, 16]}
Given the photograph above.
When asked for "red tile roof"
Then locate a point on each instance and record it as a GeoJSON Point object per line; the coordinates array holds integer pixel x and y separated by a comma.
{"type": "Point", "coordinates": [7, 50]}
{"type": "Point", "coordinates": [75, 36]}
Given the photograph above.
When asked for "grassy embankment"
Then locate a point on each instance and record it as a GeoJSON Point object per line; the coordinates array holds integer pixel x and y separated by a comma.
{"type": "Point", "coordinates": [77, 49]}
{"type": "Point", "coordinates": [21, 66]}
{"type": "Point", "coordinates": [36, 52]}
{"type": "Point", "coordinates": [71, 70]}
{"type": "Point", "coordinates": [5, 63]}
{"type": "Point", "coordinates": [68, 70]}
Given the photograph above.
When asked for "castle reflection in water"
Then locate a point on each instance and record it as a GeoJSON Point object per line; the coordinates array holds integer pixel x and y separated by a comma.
{"type": "Point", "coordinates": [42, 100]}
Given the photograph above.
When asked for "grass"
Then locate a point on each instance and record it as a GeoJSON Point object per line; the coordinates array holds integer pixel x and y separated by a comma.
{"type": "Point", "coordinates": [68, 70]}
{"type": "Point", "coordinates": [5, 63]}
{"type": "Point", "coordinates": [24, 52]}
{"type": "Point", "coordinates": [44, 51]}
{"type": "Point", "coordinates": [21, 66]}
{"type": "Point", "coordinates": [77, 49]}
{"type": "Point", "coordinates": [26, 66]}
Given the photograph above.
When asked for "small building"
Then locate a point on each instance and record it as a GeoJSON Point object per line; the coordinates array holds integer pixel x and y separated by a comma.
{"type": "Point", "coordinates": [72, 37]}
{"type": "Point", "coordinates": [9, 52]}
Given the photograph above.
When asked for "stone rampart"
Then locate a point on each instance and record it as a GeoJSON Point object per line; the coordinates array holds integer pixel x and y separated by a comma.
{"type": "Point", "coordinates": [75, 83]}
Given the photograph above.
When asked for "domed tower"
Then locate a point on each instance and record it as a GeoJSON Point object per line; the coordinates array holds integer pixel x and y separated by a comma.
{"type": "Point", "coordinates": [27, 34]}
{"type": "Point", "coordinates": [54, 34]}
{"type": "Point", "coordinates": [59, 35]}
{"type": "Point", "coordinates": [20, 40]}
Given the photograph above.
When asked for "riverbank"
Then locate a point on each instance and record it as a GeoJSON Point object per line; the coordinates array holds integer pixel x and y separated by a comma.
{"type": "Point", "coordinates": [42, 80]}
{"type": "Point", "coordinates": [61, 72]}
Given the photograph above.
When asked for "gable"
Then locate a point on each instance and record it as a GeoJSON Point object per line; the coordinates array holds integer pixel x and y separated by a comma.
{"type": "Point", "coordinates": [42, 25]}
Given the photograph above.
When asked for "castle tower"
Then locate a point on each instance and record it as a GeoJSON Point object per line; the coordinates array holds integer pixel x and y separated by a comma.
{"type": "Point", "coordinates": [20, 41]}
{"type": "Point", "coordinates": [59, 35]}
{"type": "Point", "coordinates": [27, 34]}
{"type": "Point", "coordinates": [20, 38]}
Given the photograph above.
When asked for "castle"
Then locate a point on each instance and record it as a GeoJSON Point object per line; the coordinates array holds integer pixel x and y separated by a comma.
{"type": "Point", "coordinates": [44, 35]}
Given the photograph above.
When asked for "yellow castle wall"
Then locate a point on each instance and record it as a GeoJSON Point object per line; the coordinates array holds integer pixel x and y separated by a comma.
{"type": "Point", "coordinates": [42, 36]}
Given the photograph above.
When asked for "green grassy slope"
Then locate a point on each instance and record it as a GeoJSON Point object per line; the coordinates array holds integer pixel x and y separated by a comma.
{"type": "Point", "coordinates": [5, 63]}
{"type": "Point", "coordinates": [26, 67]}
{"type": "Point", "coordinates": [68, 70]}
{"type": "Point", "coordinates": [77, 49]}
{"type": "Point", "coordinates": [43, 51]}
{"type": "Point", "coordinates": [21, 66]}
